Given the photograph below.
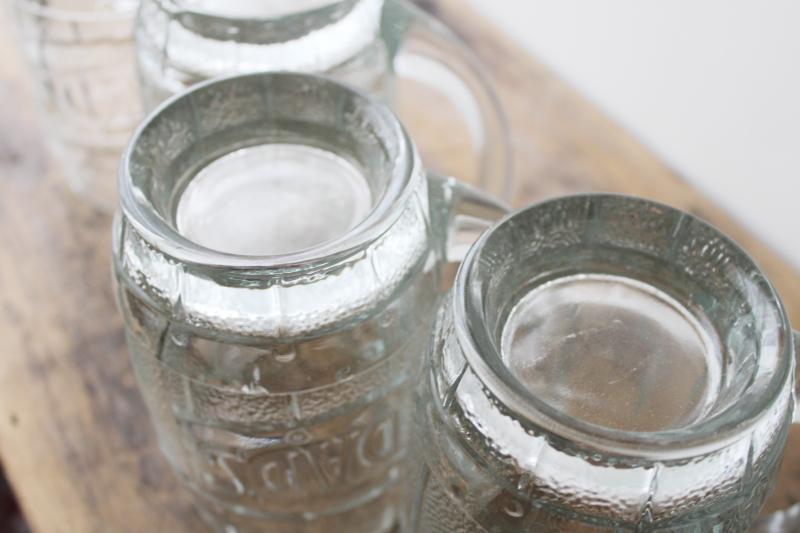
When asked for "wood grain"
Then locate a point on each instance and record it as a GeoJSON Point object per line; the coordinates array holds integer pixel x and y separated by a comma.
{"type": "Point", "coordinates": [74, 437]}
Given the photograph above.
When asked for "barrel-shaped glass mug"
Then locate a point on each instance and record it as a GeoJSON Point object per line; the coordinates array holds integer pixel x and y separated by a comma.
{"type": "Point", "coordinates": [389, 48]}
{"type": "Point", "coordinates": [81, 56]}
{"type": "Point", "coordinates": [604, 363]}
{"type": "Point", "coordinates": [279, 256]}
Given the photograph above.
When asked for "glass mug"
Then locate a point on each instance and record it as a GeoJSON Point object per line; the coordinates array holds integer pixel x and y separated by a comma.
{"type": "Point", "coordinates": [604, 363]}
{"type": "Point", "coordinates": [278, 259]}
{"type": "Point", "coordinates": [81, 55]}
{"type": "Point", "coordinates": [387, 47]}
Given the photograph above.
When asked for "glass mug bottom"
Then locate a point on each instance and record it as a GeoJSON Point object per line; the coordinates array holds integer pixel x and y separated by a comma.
{"type": "Point", "coordinates": [279, 257]}
{"type": "Point", "coordinates": [604, 364]}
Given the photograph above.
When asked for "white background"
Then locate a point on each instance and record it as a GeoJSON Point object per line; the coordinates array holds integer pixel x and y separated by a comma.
{"type": "Point", "coordinates": [712, 86]}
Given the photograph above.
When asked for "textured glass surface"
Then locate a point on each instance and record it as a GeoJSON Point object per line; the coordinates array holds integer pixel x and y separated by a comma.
{"type": "Point", "coordinates": [273, 199]}
{"type": "Point", "coordinates": [638, 328]}
{"type": "Point", "coordinates": [280, 395]}
{"type": "Point", "coordinates": [280, 385]}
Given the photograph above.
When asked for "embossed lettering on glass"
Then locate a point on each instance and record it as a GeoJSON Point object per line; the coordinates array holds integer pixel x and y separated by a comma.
{"type": "Point", "coordinates": [81, 54]}
{"type": "Point", "coordinates": [279, 257]}
{"type": "Point", "coordinates": [604, 363]}
{"type": "Point", "coordinates": [387, 47]}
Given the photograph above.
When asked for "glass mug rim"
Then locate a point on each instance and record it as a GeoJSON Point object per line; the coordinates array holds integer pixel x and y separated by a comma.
{"type": "Point", "coordinates": [387, 208]}
{"type": "Point", "coordinates": [483, 356]}
{"type": "Point", "coordinates": [176, 6]}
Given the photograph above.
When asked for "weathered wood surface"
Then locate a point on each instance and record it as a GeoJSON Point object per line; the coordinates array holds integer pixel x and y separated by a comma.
{"type": "Point", "coordinates": [74, 437]}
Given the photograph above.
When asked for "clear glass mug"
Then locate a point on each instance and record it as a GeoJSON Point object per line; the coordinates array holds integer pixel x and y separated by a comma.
{"type": "Point", "coordinates": [604, 363]}
{"type": "Point", "coordinates": [275, 338]}
{"type": "Point", "coordinates": [387, 47]}
{"type": "Point", "coordinates": [81, 55]}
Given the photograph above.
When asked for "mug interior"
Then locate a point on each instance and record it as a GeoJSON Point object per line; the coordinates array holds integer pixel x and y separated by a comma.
{"type": "Point", "coordinates": [624, 319]}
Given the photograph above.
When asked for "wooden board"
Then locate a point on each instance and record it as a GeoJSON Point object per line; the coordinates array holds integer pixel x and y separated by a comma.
{"type": "Point", "coordinates": [74, 437]}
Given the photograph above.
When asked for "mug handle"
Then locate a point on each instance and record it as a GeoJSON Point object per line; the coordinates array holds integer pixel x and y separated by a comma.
{"type": "Point", "coordinates": [430, 53]}
{"type": "Point", "coordinates": [460, 213]}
